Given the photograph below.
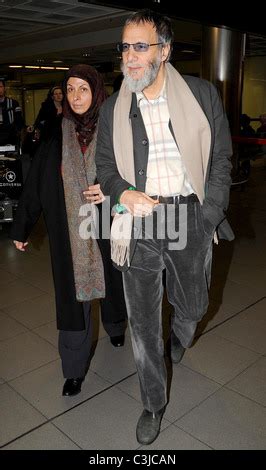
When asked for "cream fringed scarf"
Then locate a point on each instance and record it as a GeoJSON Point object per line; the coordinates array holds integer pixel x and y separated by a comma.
{"type": "Point", "coordinates": [78, 172]}
{"type": "Point", "coordinates": [192, 134]}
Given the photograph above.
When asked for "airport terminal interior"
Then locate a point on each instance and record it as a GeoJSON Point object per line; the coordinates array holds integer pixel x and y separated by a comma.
{"type": "Point", "coordinates": [217, 399]}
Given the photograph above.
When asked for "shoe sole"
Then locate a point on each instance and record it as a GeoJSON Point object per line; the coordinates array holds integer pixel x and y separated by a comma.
{"type": "Point", "coordinates": [70, 394]}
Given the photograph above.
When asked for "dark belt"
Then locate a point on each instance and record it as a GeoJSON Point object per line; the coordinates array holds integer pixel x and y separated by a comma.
{"type": "Point", "coordinates": [190, 199]}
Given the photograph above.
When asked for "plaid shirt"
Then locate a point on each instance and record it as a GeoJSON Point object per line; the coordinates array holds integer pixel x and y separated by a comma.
{"type": "Point", "coordinates": [166, 175]}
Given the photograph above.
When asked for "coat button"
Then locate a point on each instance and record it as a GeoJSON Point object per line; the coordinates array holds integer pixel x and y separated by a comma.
{"type": "Point", "coordinates": [141, 172]}
{"type": "Point", "coordinates": [135, 115]}
{"type": "Point", "coordinates": [144, 142]}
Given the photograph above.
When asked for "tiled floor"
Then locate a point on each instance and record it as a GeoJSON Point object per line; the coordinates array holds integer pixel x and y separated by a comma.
{"type": "Point", "coordinates": [218, 392]}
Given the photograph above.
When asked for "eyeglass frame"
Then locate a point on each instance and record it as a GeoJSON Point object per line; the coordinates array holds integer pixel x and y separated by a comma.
{"type": "Point", "coordinates": [134, 45]}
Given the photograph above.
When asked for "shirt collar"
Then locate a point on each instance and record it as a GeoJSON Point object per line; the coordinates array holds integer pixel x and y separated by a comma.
{"type": "Point", "coordinates": [141, 98]}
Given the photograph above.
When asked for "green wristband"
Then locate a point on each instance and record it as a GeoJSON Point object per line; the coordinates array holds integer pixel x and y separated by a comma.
{"type": "Point", "coordinates": [119, 208]}
{"type": "Point", "coordinates": [130, 188]}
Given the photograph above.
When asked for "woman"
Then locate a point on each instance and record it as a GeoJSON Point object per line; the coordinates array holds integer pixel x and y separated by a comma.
{"type": "Point", "coordinates": [50, 114]}
{"type": "Point", "coordinates": [49, 120]}
{"type": "Point", "coordinates": [61, 179]}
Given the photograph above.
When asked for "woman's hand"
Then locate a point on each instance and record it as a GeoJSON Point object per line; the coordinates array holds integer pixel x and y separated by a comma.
{"type": "Point", "coordinates": [21, 246]}
{"type": "Point", "coordinates": [93, 194]}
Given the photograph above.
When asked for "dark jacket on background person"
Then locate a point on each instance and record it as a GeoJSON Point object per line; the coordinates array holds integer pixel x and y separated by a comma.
{"type": "Point", "coordinates": [11, 121]}
{"type": "Point", "coordinates": [48, 120]}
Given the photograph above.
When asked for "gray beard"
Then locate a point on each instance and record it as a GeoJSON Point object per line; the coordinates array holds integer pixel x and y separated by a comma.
{"type": "Point", "coordinates": [150, 74]}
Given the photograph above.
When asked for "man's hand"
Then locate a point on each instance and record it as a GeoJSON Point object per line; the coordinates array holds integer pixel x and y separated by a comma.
{"type": "Point", "coordinates": [138, 203]}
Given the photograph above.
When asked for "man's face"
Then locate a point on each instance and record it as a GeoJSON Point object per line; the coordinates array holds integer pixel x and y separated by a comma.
{"type": "Point", "coordinates": [140, 69]}
{"type": "Point", "coordinates": [2, 90]}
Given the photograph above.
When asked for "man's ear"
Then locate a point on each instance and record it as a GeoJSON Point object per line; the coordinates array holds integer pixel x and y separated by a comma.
{"type": "Point", "coordinates": [165, 52]}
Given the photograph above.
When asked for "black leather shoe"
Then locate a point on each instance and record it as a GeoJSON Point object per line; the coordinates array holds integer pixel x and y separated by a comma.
{"type": "Point", "coordinates": [177, 350]}
{"type": "Point", "coordinates": [117, 341]}
{"type": "Point", "coordinates": [148, 426]}
{"type": "Point", "coordinates": [72, 387]}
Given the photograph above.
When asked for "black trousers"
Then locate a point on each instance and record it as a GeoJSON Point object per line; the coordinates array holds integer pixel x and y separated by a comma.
{"type": "Point", "coordinates": [113, 307]}
{"type": "Point", "coordinates": [75, 346]}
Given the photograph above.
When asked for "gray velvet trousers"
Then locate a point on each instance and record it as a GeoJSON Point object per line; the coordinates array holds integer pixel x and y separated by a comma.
{"type": "Point", "coordinates": [180, 245]}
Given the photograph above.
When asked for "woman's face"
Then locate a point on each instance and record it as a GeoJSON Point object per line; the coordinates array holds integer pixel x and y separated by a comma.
{"type": "Point", "coordinates": [58, 95]}
{"type": "Point", "coordinates": [79, 95]}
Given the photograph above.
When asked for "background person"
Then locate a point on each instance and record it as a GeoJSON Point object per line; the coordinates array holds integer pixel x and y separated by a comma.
{"type": "Point", "coordinates": [246, 151]}
{"type": "Point", "coordinates": [261, 131]}
{"type": "Point", "coordinates": [48, 121]}
{"type": "Point", "coordinates": [11, 118]}
{"type": "Point", "coordinates": [50, 114]}
{"type": "Point", "coordinates": [261, 134]}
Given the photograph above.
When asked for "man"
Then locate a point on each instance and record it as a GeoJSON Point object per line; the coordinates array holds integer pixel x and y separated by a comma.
{"type": "Point", "coordinates": [11, 119]}
{"type": "Point", "coordinates": [163, 154]}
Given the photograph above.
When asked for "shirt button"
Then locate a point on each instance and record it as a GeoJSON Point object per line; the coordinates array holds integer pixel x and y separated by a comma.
{"type": "Point", "coordinates": [141, 172]}
{"type": "Point", "coordinates": [144, 142]}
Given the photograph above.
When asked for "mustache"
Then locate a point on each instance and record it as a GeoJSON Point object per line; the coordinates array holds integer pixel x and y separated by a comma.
{"type": "Point", "coordinates": [133, 64]}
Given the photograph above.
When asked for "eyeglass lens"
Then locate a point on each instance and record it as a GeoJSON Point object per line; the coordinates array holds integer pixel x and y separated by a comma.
{"type": "Point", "coordinates": [138, 46]}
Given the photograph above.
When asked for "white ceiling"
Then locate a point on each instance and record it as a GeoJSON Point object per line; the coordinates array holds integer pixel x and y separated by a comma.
{"type": "Point", "coordinates": [39, 32]}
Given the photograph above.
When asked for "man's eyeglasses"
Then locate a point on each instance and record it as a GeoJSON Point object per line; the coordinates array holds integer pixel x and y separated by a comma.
{"type": "Point", "coordinates": [138, 46]}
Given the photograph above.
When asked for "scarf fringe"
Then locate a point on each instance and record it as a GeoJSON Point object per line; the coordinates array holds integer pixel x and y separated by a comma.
{"type": "Point", "coordinates": [120, 238]}
{"type": "Point", "coordinates": [119, 253]}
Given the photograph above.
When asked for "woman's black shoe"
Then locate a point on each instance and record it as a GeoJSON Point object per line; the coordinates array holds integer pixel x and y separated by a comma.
{"type": "Point", "coordinates": [72, 387]}
{"type": "Point", "coordinates": [117, 341]}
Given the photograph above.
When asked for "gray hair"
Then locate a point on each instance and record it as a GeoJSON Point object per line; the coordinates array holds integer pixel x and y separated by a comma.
{"type": "Point", "coordinates": [162, 25]}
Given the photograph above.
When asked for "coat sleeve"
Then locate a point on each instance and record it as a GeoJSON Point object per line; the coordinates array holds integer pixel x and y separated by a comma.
{"type": "Point", "coordinates": [218, 181]}
{"type": "Point", "coordinates": [41, 117]}
{"type": "Point", "coordinates": [112, 184]}
{"type": "Point", "coordinates": [18, 117]}
{"type": "Point", "coordinates": [29, 206]}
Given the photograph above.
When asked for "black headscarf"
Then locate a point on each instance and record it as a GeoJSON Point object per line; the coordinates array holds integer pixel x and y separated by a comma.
{"type": "Point", "coordinates": [85, 123]}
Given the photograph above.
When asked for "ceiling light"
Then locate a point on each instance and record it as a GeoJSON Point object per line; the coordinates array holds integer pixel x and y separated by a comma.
{"type": "Point", "coordinates": [15, 66]}
{"type": "Point", "coordinates": [32, 66]}
{"type": "Point", "coordinates": [62, 68]}
{"type": "Point", "coordinates": [45, 67]}
{"type": "Point", "coordinates": [57, 61]}
{"type": "Point", "coordinates": [188, 51]}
